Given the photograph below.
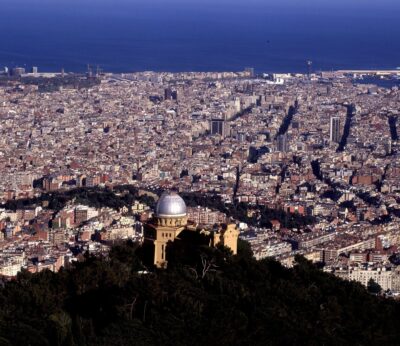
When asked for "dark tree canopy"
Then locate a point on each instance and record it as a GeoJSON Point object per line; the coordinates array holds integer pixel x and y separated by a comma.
{"type": "Point", "coordinates": [206, 298]}
{"type": "Point", "coordinates": [374, 287]}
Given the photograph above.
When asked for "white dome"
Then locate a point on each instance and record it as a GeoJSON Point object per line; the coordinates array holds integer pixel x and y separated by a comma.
{"type": "Point", "coordinates": [170, 204]}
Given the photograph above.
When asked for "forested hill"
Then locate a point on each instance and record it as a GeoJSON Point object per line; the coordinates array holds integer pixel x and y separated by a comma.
{"type": "Point", "coordinates": [205, 298]}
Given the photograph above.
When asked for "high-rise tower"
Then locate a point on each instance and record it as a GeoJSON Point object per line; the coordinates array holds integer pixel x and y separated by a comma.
{"type": "Point", "coordinates": [282, 143]}
{"type": "Point", "coordinates": [334, 131]}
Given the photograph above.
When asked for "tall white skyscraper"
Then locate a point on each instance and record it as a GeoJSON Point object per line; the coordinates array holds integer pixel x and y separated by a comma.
{"type": "Point", "coordinates": [282, 143]}
{"type": "Point", "coordinates": [334, 132]}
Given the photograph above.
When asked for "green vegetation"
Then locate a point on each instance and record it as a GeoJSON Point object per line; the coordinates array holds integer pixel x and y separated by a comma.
{"type": "Point", "coordinates": [121, 196]}
{"type": "Point", "coordinates": [373, 287]}
{"type": "Point", "coordinates": [207, 298]}
{"type": "Point", "coordinates": [125, 195]}
{"type": "Point", "coordinates": [261, 215]}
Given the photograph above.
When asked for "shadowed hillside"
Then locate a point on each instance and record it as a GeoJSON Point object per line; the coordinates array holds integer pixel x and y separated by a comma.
{"type": "Point", "coordinates": [205, 297]}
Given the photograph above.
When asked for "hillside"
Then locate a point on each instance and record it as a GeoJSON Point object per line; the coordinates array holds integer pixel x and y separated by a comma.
{"type": "Point", "coordinates": [205, 297]}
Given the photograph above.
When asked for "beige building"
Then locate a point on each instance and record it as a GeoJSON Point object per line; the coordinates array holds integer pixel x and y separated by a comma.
{"type": "Point", "coordinates": [382, 276]}
{"type": "Point", "coordinates": [12, 264]}
{"type": "Point", "coordinates": [171, 222]}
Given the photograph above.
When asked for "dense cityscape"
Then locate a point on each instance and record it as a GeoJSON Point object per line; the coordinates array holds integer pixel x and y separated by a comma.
{"type": "Point", "coordinates": [202, 172]}
{"type": "Point", "coordinates": [301, 163]}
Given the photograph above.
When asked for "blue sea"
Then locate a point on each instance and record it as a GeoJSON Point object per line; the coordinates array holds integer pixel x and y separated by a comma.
{"type": "Point", "coordinates": [194, 35]}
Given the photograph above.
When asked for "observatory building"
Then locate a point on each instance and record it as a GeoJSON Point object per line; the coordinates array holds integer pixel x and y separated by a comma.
{"type": "Point", "coordinates": [170, 223]}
